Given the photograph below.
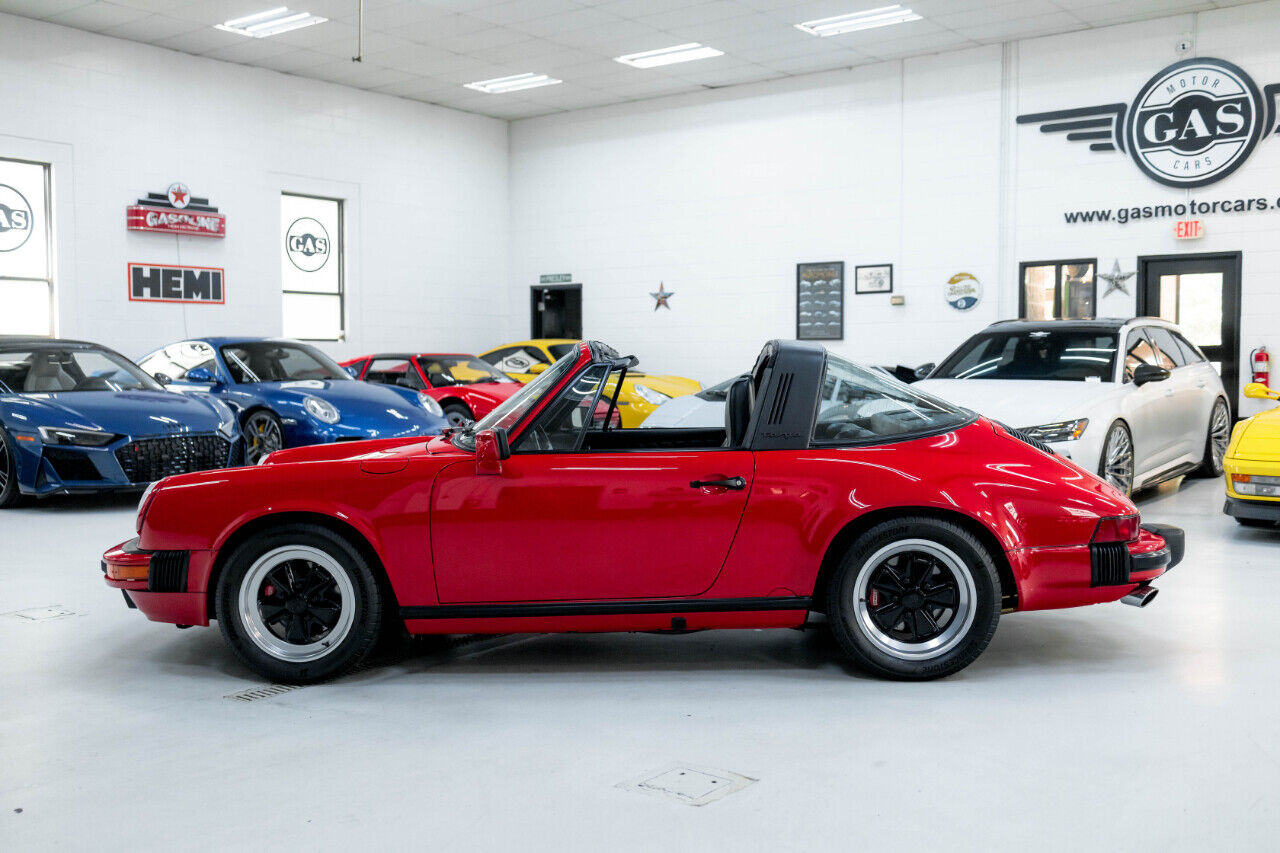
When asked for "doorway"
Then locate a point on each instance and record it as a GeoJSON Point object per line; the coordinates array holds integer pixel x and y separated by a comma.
{"type": "Point", "coordinates": [1201, 293]}
{"type": "Point", "coordinates": [555, 311]}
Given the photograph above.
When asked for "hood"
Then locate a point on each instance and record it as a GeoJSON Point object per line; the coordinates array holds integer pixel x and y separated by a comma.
{"type": "Point", "coordinates": [348, 395]}
{"type": "Point", "coordinates": [494, 392]}
{"type": "Point", "coordinates": [672, 386]}
{"type": "Point", "coordinates": [1260, 440]}
{"type": "Point", "coordinates": [134, 413]}
{"type": "Point", "coordinates": [1020, 402]}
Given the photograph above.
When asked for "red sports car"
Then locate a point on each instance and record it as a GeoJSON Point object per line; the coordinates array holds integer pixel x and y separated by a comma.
{"type": "Point", "coordinates": [833, 488]}
{"type": "Point", "coordinates": [466, 387]}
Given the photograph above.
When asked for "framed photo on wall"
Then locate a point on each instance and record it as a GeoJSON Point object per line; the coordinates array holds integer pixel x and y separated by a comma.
{"type": "Point", "coordinates": [820, 301]}
{"type": "Point", "coordinates": [873, 279]}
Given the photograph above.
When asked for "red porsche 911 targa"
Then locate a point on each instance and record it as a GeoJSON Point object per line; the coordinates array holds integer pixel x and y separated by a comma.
{"type": "Point", "coordinates": [831, 488]}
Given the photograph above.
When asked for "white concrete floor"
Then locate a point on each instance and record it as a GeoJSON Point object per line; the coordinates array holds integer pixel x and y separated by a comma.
{"type": "Point", "coordinates": [1105, 726]}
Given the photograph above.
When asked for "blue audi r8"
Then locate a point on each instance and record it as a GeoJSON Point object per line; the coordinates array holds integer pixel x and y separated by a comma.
{"type": "Point", "coordinates": [286, 393]}
{"type": "Point", "coordinates": [77, 417]}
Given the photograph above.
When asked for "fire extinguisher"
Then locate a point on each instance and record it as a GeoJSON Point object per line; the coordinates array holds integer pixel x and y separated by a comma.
{"type": "Point", "coordinates": [1261, 365]}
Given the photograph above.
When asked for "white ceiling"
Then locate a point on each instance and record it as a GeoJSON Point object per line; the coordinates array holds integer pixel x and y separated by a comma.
{"type": "Point", "coordinates": [426, 49]}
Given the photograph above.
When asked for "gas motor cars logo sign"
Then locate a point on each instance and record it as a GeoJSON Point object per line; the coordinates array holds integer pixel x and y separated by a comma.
{"type": "Point", "coordinates": [307, 244]}
{"type": "Point", "coordinates": [1192, 124]}
{"type": "Point", "coordinates": [15, 219]}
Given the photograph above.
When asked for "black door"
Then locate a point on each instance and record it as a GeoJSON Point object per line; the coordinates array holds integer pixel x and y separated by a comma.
{"type": "Point", "coordinates": [1201, 293]}
{"type": "Point", "coordinates": [556, 311]}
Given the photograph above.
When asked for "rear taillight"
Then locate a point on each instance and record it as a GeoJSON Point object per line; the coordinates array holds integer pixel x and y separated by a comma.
{"type": "Point", "coordinates": [1119, 528]}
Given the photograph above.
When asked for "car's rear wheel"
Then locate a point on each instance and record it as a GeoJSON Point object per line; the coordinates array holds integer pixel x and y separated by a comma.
{"type": "Point", "coordinates": [263, 434]}
{"type": "Point", "coordinates": [915, 599]}
{"type": "Point", "coordinates": [1117, 458]}
{"type": "Point", "coordinates": [1216, 441]}
{"type": "Point", "coordinates": [298, 604]}
{"type": "Point", "coordinates": [9, 493]}
{"type": "Point", "coordinates": [457, 414]}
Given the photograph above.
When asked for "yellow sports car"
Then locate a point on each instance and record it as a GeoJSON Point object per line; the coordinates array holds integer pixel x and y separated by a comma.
{"type": "Point", "coordinates": [641, 392]}
{"type": "Point", "coordinates": [1252, 464]}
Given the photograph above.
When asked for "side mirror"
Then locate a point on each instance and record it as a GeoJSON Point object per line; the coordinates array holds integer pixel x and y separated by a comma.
{"type": "Point", "coordinates": [537, 367]}
{"type": "Point", "coordinates": [203, 375]}
{"type": "Point", "coordinates": [162, 378]}
{"type": "Point", "coordinates": [351, 371]}
{"type": "Point", "coordinates": [491, 449]}
{"type": "Point", "coordinates": [924, 370]}
{"type": "Point", "coordinates": [1258, 391]}
{"type": "Point", "coordinates": [1145, 373]}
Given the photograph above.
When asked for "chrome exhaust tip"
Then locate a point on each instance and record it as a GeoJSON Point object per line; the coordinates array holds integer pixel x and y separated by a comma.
{"type": "Point", "coordinates": [1141, 597]}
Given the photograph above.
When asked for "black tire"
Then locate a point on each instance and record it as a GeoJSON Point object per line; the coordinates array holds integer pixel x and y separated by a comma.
{"type": "Point", "coordinates": [1117, 435]}
{"type": "Point", "coordinates": [1216, 439]}
{"type": "Point", "coordinates": [958, 559]}
{"type": "Point", "coordinates": [263, 434]}
{"type": "Point", "coordinates": [457, 412]}
{"type": "Point", "coordinates": [10, 494]}
{"type": "Point", "coordinates": [1260, 523]}
{"type": "Point", "coordinates": [257, 617]}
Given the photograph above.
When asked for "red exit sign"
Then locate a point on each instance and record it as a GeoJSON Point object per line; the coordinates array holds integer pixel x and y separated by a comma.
{"type": "Point", "coordinates": [1189, 229]}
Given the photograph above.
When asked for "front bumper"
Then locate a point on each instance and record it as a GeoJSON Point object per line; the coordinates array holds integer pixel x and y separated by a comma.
{"type": "Point", "coordinates": [1256, 510]}
{"type": "Point", "coordinates": [159, 583]}
{"type": "Point", "coordinates": [127, 464]}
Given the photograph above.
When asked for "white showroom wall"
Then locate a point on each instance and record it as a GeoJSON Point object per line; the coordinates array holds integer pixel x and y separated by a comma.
{"type": "Point", "coordinates": [426, 189]}
{"type": "Point", "coordinates": [918, 163]}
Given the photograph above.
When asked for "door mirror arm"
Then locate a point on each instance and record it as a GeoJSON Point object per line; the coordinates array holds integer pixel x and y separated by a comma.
{"type": "Point", "coordinates": [492, 448]}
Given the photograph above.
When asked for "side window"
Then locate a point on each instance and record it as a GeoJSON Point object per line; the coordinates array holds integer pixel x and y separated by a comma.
{"type": "Point", "coordinates": [1190, 354]}
{"type": "Point", "coordinates": [1138, 350]}
{"type": "Point", "coordinates": [563, 424]}
{"type": "Point", "coordinates": [393, 371]}
{"type": "Point", "coordinates": [176, 359]}
{"type": "Point", "coordinates": [1167, 350]}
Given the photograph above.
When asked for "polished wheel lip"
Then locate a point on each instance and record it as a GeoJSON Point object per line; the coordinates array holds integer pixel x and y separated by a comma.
{"type": "Point", "coordinates": [250, 610]}
{"type": "Point", "coordinates": [957, 629]}
{"type": "Point", "coordinates": [1219, 435]}
{"type": "Point", "coordinates": [455, 418]}
{"type": "Point", "coordinates": [262, 436]}
{"type": "Point", "coordinates": [4, 464]}
{"type": "Point", "coordinates": [1118, 465]}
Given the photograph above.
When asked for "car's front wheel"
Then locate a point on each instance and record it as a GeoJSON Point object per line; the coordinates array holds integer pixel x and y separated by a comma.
{"type": "Point", "coordinates": [915, 599]}
{"type": "Point", "coordinates": [1216, 441]}
{"type": "Point", "coordinates": [1117, 458]}
{"type": "Point", "coordinates": [458, 414]}
{"type": "Point", "coordinates": [298, 604]}
{"type": "Point", "coordinates": [9, 493]}
{"type": "Point", "coordinates": [263, 434]}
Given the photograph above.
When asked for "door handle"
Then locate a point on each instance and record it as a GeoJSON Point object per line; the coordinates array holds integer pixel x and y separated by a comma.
{"type": "Point", "coordinates": [735, 483]}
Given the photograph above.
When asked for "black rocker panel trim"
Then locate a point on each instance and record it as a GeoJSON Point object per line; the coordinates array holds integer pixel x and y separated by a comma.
{"type": "Point", "coordinates": [605, 608]}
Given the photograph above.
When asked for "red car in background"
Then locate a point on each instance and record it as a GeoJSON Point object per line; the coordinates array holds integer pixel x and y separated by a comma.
{"type": "Point", "coordinates": [466, 387]}
{"type": "Point", "coordinates": [832, 488]}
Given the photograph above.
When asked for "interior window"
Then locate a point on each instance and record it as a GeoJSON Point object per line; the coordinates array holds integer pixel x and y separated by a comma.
{"type": "Point", "coordinates": [394, 371]}
{"type": "Point", "coordinates": [1168, 352]}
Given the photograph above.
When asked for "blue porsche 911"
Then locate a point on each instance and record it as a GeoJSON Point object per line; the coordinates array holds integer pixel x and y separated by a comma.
{"type": "Point", "coordinates": [287, 393]}
{"type": "Point", "coordinates": [77, 417]}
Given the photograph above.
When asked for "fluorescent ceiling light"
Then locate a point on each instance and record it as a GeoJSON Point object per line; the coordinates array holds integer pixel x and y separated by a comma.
{"type": "Point", "coordinates": [514, 83]}
{"type": "Point", "coordinates": [669, 55]}
{"type": "Point", "coordinates": [881, 17]}
{"type": "Point", "coordinates": [270, 23]}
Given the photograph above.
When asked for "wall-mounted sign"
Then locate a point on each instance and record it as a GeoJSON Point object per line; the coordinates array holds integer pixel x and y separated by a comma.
{"type": "Point", "coordinates": [557, 278]}
{"type": "Point", "coordinates": [307, 244]}
{"type": "Point", "coordinates": [963, 291]}
{"type": "Point", "coordinates": [662, 298]}
{"type": "Point", "coordinates": [1188, 229]}
{"type": "Point", "coordinates": [820, 301]}
{"type": "Point", "coordinates": [176, 211]}
{"type": "Point", "coordinates": [164, 283]}
{"type": "Point", "coordinates": [1193, 123]}
{"type": "Point", "coordinates": [15, 219]}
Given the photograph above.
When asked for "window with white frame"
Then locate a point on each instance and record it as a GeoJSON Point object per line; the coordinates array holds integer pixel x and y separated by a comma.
{"type": "Point", "coordinates": [26, 257]}
{"type": "Point", "coordinates": [311, 266]}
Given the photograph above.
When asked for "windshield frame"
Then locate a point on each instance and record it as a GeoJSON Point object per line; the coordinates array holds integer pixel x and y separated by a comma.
{"type": "Point", "coordinates": [537, 389]}
{"type": "Point", "coordinates": [340, 373]}
{"type": "Point", "coordinates": [148, 382]}
{"type": "Point", "coordinates": [960, 352]}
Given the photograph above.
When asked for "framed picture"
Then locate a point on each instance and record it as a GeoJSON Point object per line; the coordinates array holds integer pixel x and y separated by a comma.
{"type": "Point", "coordinates": [873, 279]}
{"type": "Point", "coordinates": [820, 301]}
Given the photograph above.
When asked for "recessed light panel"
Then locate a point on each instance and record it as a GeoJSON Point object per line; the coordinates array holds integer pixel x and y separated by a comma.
{"type": "Point", "coordinates": [514, 83]}
{"type": "Point", "coordinates": [669, 55]}
{"type": "Point", "coordinates": [271, 22]}
{"type": "Point", "coordinates": [881, 17]}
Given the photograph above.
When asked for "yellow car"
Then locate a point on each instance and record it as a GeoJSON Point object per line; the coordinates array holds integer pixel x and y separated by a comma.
{"type": "Point", "coordinates": [1252, 464]}
{"type": "Point", "coordinates": [641, 392]}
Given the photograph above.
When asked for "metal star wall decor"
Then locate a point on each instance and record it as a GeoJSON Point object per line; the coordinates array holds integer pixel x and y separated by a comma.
{"type": "Point", "coordinates": [1115, 279]}
{"type": "Point", "coordinates": [662, 296]}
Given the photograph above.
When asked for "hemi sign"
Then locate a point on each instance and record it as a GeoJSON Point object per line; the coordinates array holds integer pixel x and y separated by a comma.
{"type": "Point", "coordinates": [153, 283]}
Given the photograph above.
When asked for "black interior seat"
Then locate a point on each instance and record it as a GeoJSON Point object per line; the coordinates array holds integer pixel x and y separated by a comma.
{"type": "Point", "coordinates": [738, 403]}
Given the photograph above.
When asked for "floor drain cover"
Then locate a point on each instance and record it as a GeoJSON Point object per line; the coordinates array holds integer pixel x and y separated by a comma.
{"type": "Point", "coordinates": [39, 614]}
{"type": "Point", "coordinates": [689, 785]}
{"type": "Point", "coordinates": [264, 692]}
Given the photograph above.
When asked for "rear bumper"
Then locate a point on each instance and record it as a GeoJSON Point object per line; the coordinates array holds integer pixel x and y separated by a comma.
{"type": "Point", "coordinates": [1256, 510]}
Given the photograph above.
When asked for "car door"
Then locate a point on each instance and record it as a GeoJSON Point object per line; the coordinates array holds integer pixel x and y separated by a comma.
{"type": "Point", "coordinates": [1149, 408]}
{"type": "Point", "coordinates": [563, 524]}
{"type": "Point", "coordinates": [1190, 403]}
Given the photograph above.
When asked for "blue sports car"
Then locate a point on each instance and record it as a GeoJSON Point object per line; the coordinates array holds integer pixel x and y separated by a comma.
{"type": "Point", "coordinates": [77, 417]}
{"type": "Point", "coordinates": [287, 393]}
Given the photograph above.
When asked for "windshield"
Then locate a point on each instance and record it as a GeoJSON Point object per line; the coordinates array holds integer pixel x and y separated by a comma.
{"type": "Point", "coordinates": [443, 371]}
{"type": "Point", "coordinates": [269, 361]}
{"type": "Point", "coordinates": [47, 370]}
{"type": "Point", "coordinates": [1069, 355]}
{"type": "Point", "coordinates": [861, 406]}
{"type": "Point", "coordinates": [515, 407]}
